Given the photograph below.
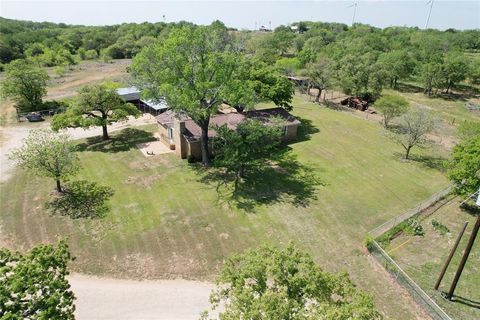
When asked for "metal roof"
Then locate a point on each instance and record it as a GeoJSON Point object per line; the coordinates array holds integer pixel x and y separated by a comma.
{"type": "Point", "coordinates": [129, 94]}
{"type": "Point", "coordinates": [156, 105]}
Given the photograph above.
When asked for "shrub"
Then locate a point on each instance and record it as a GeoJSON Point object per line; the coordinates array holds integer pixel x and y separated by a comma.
{"type": "Point", "coordinates": [81, 199]}
{"type": "Point", "coordinates": [439, 227]}
{"type": "Point", "coordinates": [410, 226]}
{"type": "Point", "coordinates": [414, 228]}
{"type": "Point", "coordinates": [368, 241]}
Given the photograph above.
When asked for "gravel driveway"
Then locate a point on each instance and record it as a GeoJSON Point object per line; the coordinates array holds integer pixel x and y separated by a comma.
{"type": "Point", "coordinates": [105, 299]}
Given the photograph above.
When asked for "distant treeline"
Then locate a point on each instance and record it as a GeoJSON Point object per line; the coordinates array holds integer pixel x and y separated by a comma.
{"type": "Point", "coordinates": [358, 59]}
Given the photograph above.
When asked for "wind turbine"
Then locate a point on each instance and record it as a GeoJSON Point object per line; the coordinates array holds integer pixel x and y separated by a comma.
{"type": "Point", "coordinates": [354, 5]}
{"type": "Point", "coordinates": [429, 12]}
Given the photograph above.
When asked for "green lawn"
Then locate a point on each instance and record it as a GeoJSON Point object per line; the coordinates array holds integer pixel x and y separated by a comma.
{"type": "Point", "coordinates": [423, 257]}
{"type": "Point", "coordinates": [166, 221]}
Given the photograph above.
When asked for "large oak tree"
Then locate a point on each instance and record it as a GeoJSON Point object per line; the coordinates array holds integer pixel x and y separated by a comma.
{"type": "Point", "coordinates": [96, 105]}
{"type": "Point", "coordinates": [268, 283]}
{"type": "Point", "coordinates": [197, 68]}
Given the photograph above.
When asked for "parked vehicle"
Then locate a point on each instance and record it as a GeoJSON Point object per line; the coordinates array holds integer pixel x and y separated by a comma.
{"type": "Point", "coordinates": [34, 117]}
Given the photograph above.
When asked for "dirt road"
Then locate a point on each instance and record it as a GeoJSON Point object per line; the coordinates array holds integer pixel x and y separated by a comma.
{"type": "Point", "coordinates": [102, 299]}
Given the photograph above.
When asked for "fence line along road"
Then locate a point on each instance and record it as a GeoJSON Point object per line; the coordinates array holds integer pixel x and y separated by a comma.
{"type": "Point", "coordinates": [396, 271]}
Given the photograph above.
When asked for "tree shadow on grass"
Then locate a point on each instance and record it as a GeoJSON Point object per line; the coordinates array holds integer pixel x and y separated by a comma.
{"type": "Point", "coordinates": [429, 161]}
{"type": "Point", "coordinates": [122, 141]}
{"type": "Point", "coordinates": [426, 161]}
{"type": "Point", "coordinates": [408, 88]}
{"type": "Point", "coordinates": [305, 129]}
{"type": "Point", "coordinates": [470, 208]}
{"type": "Point", "coordinates": [287, 180]}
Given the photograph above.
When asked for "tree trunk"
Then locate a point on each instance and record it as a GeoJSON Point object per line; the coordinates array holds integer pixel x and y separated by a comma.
{"type": "Point", "coordinates": [105, 132]}
{"type": "Point", "coordinates": [448, 86]}
{"type": "Point", "coordinates": [317, 98]}
{"type": "Point", "coordinates": [395, 82]}
{"type": "Point", "coordinates": [407, 153]}
{"type": "Point", "coordinates": [204, 144]}
{"type": "Point", "coordinates": [59, 186]}
{"type": "Point", "coordinates": [385, 122]}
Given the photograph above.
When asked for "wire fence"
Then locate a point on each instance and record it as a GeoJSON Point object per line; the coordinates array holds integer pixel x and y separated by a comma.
{"type": "Point", "coordinates": [396, 271]}
{"type": "Point", "coordinates": [403, 279]}
{"type": "Point", "coordinates": [381, 229]}
{"type": "Point", "coordinates": [22, 116]}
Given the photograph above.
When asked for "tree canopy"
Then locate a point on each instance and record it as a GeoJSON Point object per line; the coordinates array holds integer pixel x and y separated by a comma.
{"type": "Point", "coordinates": [277, 284]}
{"type": "Point", "coordinates": [26, 84]}
{"type": "Point", "coordinates": [196, 69]}
{"type": "Point", "coordinates": [391, 106]}
{"type": "Point", "coordinates": [34, 285]}
{"type": "Point", "coordinates": [49, 154]}
{"type": "Point", "coordinates": [96, 105]}
{"type": "Point", "coordinates": [439, 60]}
{"type": "Point", "coordinates": [464, 166]}
{"type": "Point", "coordinates": [251, 144]}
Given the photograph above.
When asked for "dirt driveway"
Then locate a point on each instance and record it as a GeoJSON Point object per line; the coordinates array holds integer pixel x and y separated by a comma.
{"type": "Point", "coordinates": [105, 299]}
{"type": "Point", "coordinates": [12, 137]}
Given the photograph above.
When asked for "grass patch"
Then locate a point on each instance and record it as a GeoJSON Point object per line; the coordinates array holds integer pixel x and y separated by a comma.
{"type": "Point", "coordinates": [166, 222]}
{"type": "Point", "coordinates": [422, 258]}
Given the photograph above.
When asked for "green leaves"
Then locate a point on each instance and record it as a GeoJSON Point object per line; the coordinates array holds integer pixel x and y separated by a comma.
{"type": "Point", "coordinates": [391, 106]}
{"type": "Point", "coordinates": [271, 283]}
{"type": "Point", "coordinates": [464, 167]}
{"type": "Point", "coordinates": [26, 84]}
{"type": "Point", "coordinates": [49, 154]}
{"type": "Point", "coordinates": [252, 144]}
{"type": "Point", "coordinates": [96, 105]}
{"type": "Point", "coordinates": [34, 285]}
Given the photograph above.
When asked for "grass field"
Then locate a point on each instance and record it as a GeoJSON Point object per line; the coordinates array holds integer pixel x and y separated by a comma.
{"type": "Point", "coordinates": [167, 222]}
{"type": "Point", "coordinates": [451, 110]}
{"type": "Point", "coordinates": [423, 257]}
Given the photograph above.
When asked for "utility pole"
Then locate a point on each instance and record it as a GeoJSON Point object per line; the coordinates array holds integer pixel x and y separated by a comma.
{"type": "Point", "coordinates": [450, 256]}
{"type": "Point", "coordinates": [429, 12]}
{"type": "Point", "coordinates": [473, 236]}
{"type": "Point", "coordinates": [354, 11]}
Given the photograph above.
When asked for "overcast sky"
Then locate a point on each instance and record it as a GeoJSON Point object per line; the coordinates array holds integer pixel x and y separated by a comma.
{"type": "Point", "coordinates": [248, 14]}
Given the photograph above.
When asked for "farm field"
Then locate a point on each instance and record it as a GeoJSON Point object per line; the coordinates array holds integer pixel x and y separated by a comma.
{"type": "Point", "coordinates": [422, 258]}
{"type": "Point", "coordinates": [167, 222]}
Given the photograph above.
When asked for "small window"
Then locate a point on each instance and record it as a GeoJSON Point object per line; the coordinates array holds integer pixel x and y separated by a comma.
{"type": "Point", "coordinates": [284, 131]}
{"type": "Point", "coordinates": [170, 133]}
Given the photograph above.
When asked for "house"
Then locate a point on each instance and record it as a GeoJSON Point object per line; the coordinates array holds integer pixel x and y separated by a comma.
{"type": "Point", "coordinates": [132, 95]}
{"type": "Point", "coordinates": [181, 134]}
